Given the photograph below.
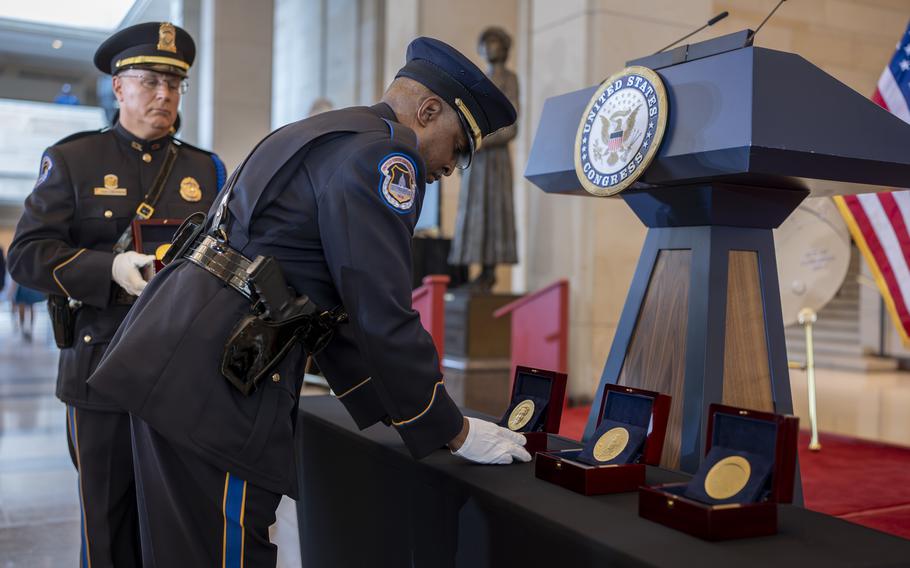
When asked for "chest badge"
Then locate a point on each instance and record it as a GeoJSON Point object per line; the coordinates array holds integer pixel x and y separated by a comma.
{"type": "Point", "coordinates": [111, 188]}
{"type": "Point", "coordinates": [398, 185]}
{"type": "Point", "coordinates": [190, 190]}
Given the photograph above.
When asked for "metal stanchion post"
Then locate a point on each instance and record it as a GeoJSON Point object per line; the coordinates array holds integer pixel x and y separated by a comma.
{"type": "Point", "coordinates": [806, 318]}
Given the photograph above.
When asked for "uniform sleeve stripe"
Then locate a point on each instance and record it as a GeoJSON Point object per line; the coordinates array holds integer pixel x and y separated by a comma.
{"type": "Point", "coordinates": [355, 387]}
{"type": "Point", "coordinates": [61, 265]}
{"type": "Point", "coordinates": [425, 410]}
{"type": "Point", "coordinates": [233, 509]}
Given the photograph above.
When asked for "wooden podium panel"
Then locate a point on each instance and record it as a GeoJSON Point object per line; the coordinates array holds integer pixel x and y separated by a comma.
{"type": "Point", "coordinates": [657, 352]}
{"type": "Point", "coordinates": [747, 379]}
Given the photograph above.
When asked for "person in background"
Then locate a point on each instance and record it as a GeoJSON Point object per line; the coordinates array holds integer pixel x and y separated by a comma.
{"type": "Point", "coordinates": [23, 302]}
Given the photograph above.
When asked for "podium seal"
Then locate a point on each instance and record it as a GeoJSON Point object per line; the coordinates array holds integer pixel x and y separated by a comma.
{"type": "Point", "coordinates": [620, 131]}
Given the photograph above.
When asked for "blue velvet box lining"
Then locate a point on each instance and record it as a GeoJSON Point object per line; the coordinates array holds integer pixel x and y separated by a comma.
{"type": "Point", "coordinates": [630, 454]}
{"type": "Point", "coordinates": [533, 387]}
{"type": "Point", "coordinates": [538, 419]}
{"type": "Point", "coordinates": [527, 384]}
{"type": "Point", "coordinates": [755, 440]}
{"type": "Point", "coordinates": [632, 412]}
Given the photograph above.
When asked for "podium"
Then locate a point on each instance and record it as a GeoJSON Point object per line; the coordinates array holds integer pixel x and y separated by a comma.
{"type": "Point", "coordinates": [429, 301]}
{"type": "Point", "coordinates": [751, 133]}
{"type": "Point", "coordinates": [540, 328]}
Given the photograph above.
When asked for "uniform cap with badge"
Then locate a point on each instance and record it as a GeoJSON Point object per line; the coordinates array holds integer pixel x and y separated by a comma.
{"type": "Point", "coordinates": [481, 107]}
{"type": "Point", "coordinates": [157, 46]}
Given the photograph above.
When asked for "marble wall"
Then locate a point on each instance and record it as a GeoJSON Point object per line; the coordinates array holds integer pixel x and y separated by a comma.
{"type": "Point", "coordinates": [233, 76]}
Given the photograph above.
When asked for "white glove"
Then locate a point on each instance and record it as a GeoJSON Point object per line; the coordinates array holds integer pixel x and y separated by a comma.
{"type": "Point", "coordinates": [488, 443]}
{"type": "Point", "coordinates": [125, 271]}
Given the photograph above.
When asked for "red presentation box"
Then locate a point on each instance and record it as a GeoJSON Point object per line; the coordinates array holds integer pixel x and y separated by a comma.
{"type": "Point", "coordinates": [731, 429]}
{"type": "Point", "coordinates": [544, 386]}
{"type": "Point", "coordinates": [149, 234]}
{"type": "Point", "coordinates": [562, 469]}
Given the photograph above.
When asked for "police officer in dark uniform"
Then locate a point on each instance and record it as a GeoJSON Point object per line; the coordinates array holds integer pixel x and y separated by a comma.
{"type": "Point", "coordinates": [73, 242]}
{"type": "Point", "coordinates": [326, 206]}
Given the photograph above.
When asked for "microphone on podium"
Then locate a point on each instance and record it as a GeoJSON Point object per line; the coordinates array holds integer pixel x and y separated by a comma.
{"type": "Point", "coordinates": [711, 22]}
{"type": "Point", "coordinates": [768, 17]}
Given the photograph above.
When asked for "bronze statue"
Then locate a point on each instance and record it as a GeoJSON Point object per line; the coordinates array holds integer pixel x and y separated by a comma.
{"type": "Point", "coordinates": [485, 223]}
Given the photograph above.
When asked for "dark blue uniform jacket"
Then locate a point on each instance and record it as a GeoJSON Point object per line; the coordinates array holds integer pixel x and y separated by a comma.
{"type": "Point", "coordinates": [335, 199]}
{"type": "Point", "coordinates": [87, 192]}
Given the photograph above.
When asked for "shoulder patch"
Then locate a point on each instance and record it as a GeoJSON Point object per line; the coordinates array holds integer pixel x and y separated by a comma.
{"type": "Point", "coordinates": [46, 165]}
{"type": "Point", "coordinates": [398, 182]}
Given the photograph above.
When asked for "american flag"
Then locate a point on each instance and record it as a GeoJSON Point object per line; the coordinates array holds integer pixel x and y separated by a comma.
{"type": "Point", "coordinates": [879, 222]}
{"type": "Point", "coordinates": [615, 142]}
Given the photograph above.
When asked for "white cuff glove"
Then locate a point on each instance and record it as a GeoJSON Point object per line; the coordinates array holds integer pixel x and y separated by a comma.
{"type": "Point", "coordinates": [488, 443]}
{"type": "Point", "coordinates": [125, 271]}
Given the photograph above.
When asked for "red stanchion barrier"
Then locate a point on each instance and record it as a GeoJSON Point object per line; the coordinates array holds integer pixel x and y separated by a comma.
{"type": "Point", "coordinates": [540, 328]}
{"type": "Point", "coordinates": [429, 301]}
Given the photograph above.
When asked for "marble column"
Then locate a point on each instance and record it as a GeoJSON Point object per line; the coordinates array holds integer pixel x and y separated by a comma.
{"type": "Point", "coordinates": [234, 76]}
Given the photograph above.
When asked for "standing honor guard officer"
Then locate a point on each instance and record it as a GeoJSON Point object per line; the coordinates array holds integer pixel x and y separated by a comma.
{"type": "Point", "coordinates": [310, 238]}
{"type": "Point", "coordinates": [74, 243]}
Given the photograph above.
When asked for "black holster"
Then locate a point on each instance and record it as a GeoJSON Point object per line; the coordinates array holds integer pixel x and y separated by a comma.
{"type": "Point", "coordinates": [63, 320]}
{"type": "Point", "coordinates": [257, 345]}
{"type": "Point", "coordinates": [280, 320]}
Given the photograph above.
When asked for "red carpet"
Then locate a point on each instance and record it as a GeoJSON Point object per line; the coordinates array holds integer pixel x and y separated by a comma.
{"type": "Point", "coordinates": [862, 482]}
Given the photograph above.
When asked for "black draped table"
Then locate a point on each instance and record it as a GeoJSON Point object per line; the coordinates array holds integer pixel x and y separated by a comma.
{"type": "Point", "coordinates": [364, 502]}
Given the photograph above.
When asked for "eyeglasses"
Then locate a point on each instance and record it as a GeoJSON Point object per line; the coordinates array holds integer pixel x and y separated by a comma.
{"type": "Point", "coordinates": [152, 82]}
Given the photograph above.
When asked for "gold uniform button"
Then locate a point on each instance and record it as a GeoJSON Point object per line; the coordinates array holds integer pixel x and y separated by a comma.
{"type": "Point", "coordinates": [87, 338]}
{"type": "Point", "coordinates": [108, 213]}
{"type": "Point", "coordinates": [146, 157]}
{"type": "Point", "coordinates": [276, 377]}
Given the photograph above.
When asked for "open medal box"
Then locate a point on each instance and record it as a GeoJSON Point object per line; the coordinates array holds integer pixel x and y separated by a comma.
{"type": "Point", "coordinates": [748, 469]}
{"type": "Point", "coordinates": [154, 236]}
{"type": "Point", "coordinates": [535, 408]}
{"type": "Point", "coordinates": [630, 435]}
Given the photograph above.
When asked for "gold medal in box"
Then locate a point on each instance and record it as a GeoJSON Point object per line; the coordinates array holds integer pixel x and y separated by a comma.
{"type": "Point", "coordinates": [521, 415]}
{"type": "Point", "coordinates": [727, 477]}
{"type": "Point", "coordinates": [610, 444]}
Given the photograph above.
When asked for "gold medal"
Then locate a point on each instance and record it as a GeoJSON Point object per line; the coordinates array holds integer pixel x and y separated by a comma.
{"type": "Point", "coordinates": [611, 444]}
{"type": "Point", "coordinates": [727, 477]}
{"type": "Point", "coordinates": [189, 189]}
{"type": "Point", "coordinates": [161, 251]}
{"type": "Point", "coordinates": [521, 415]}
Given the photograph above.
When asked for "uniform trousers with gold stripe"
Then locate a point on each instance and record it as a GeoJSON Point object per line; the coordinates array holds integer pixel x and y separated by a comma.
{"type": "Point", "coordinates": [100, 448]}
{"type": "Point", "coordinates": [194, 514]}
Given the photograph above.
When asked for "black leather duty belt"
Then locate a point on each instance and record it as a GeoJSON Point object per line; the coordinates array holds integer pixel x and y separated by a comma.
{"type": "Point", "coordinates": [224, 263]}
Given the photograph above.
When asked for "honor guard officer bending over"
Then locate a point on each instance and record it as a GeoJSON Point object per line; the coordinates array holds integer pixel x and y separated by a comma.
{"type": "Point", "coordinates": [313, 229]}
{"type": "Point", "coordinates": [73, 242]}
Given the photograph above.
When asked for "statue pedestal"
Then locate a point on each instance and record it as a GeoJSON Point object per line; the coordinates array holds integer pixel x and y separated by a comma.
{"type": "Point", "coordinates": [477, 346]}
